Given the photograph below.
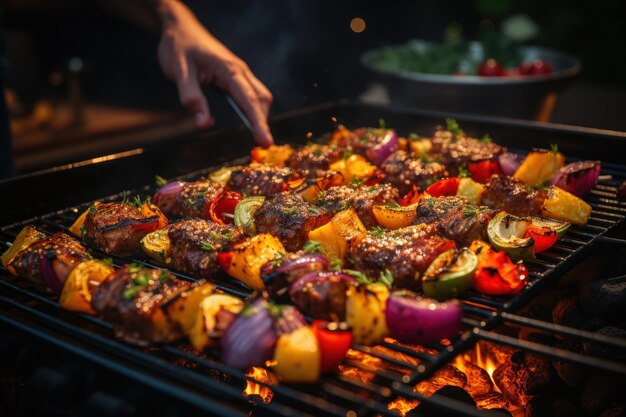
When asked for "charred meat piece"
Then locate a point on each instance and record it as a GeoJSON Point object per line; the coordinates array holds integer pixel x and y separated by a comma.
{"type": "Point", "coordinates": [60, 252]}
{"type": "Point", "coordinates": [194, 245]}
{"type": "Point", "coordinates": [259, 179]}
{"type": "Point", "coordinates": [456, 151]}
{"type": "Point", "coordinates": [135, 300]}
{"type": "Point", "coordinates": [405, 252]}
{"type": "Point", "coordinates": [359, 140]}
{"type": "Point", "coordinates": [194, 198]}
{"type": "Point", "coordinates": [314, 160]}
{"type": "Point", "coordinates": [117, 228]}
{"type": "Point", "coordinates": [402, 170]}
{"type": "Point", "coordinates": [513, 196]}
{"type": "Point", "coordinates": [322, 298]}
{"type": "Point", "coordinates": [362, 198]}
{"type": "Point", "coordinates": [290, 218]}
{"type": "Point", "coordinates": [455, 218]}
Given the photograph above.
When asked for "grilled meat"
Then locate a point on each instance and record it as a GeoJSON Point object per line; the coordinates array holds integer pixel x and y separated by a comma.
{"type": "Point", "coordinates": [194, 198]}
{"type": "Point", "coordinates": [62, 252]}
{"type": "Point", "coordinates": [194, 245]}
{"type": "Point", "coordinates": [323, 298]}
{"type": "Point", "coordinates": [513, 196]}
{"type": "Point", "coordinates": [314, 160]}
{"type": "Point", "coordinates": [405, 252]}
{"type": "Point", "coordinates": [362, 198]}
{"type": "Point", "coordinates": [135, 300]}
{"type": "Point", "coordinates": [455, 218]}
{"type": "Point", "coordinates": [456, 151]}
{"type": "Point", "coordinates": [117, 228]}
{"type": "Point", "coordinates": [359, 140]}
{"type": "Point", "coordinates": [402, 170]}
{"type": "Point", "coordinates": [259, 179]}
{"type": "Point", "coordinates": [290, 218]}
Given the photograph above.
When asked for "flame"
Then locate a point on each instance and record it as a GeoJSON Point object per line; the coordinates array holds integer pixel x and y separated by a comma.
{"type": "Point", "coordinates": [257, 390]}
{"type": "Point", "coordinates": [402, 405]}
{"type": "Point", "coordinates": [367, 364]}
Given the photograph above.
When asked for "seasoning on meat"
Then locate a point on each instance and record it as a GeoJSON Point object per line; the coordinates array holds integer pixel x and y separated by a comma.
{"type": "Point", "coordinates": [513, 196]}
{"type": "Point", "coordinates": [259, 179]}
{"type": "Point", "coordinates": [403, 170]}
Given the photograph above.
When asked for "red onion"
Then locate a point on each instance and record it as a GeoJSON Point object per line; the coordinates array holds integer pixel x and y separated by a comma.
{"type": "Point", "coordinates": [509, 162]}
{"type": "Point", "coordinates": [278, 278]}
{"type": "Point", "coordinates": [578, 178]}
{"type": "Point", "coordinates": [384, 147]}
{"type": "Point", "coordinates": [49, 276]}
{"type": "Point", "coordinates": [417, 320]}
{"type": "Point", "coordinates": [322, 295]}
{"type": "Point", "coordinates": [290, 319]}
{"type": "Point", "coordinates": [165, 197]}
{"type": "Point", "coordinates": [250, 339]}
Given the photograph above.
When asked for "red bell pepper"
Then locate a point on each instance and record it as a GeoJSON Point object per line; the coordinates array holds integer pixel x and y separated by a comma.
{"type": "Point", "coordinates": [374, 179]}
{"type": "Point", "coordinates": [444, 187]}
{"type": "Point", "coordinates": [222, 208]}
{"type": "Point", "coordinates": [224, 259]}
{"type": "Point", "coordinates": [334, 341]}
{"type": "Point", "coordinates": [544, 237]}
{"type": "Point", "coordinates": [481, 171]}
{"type": "Point", "coordinates": [411, 197]}
{"type": "Point", "coordinates": [496, 273]}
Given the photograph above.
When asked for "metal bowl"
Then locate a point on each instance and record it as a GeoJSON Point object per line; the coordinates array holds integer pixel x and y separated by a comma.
{"type": "Point", "coordinates": [531, 97]}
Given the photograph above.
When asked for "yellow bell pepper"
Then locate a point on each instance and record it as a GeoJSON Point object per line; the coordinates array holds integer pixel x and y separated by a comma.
{"type": "Point", "coordinates": [311, 190]}
{"type": "Point", "coordinates": [355, 166]}
{"type": "Point", "coordinates": [539, 167]}
{"type": "Point", "coordinates": [420, 147]}
{"type": "Point", "coordinates": [250, 255]}
{"type": "Point", "coordinates": [298, 357]}
{"type": "Point", "coordinates": [275, 155]}
{"type": "Point", "coordinates": [365, 313]}
{"type": "Point", "coordinates": [76, 227]}
{"type": "Point", "coordinates": [561, 205]}
{"type": "Point", "coordinates": [81, 282]}
{"type": "Point", "coordinates": [151, 210]}
{"type": "Point", "coordinates": [26, 237]}
{"type": "Point", "coordinates": [183, 310]}
{"type": "Point", "coordinates": [200, 334]}
{"type": "Point", "coordinates": [344, 231]}
{"type": "Point", "coordinates": [395, 217]}
{"type": "Point", "coordinates": [471, 190]}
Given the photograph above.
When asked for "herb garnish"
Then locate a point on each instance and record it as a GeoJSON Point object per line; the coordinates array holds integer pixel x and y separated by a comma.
{"type": "Point", "coordinates": [312, 246]}
{"type": "Point", "coordinates": [164, 276]}
{"type": "Point", "coordinates": [313, 210]}
{"type": "Point", "coordinates": [159, 181]}
{"type": "Point", "coordinates": [463, 172]}
{"type": "Point", "coordinates": [381, 123]}
{"type": "Point", "coordinates": [414, 136]}
{"type": "Point", "coordinates": [317, 152]}
{"type": "Point", "coordinates": [453, 127]}
{"type": "Point", "coordinates": [554, 147]}
{"type": "Point", "coordinates": [278, 259]}
{"type": "Point", "coordinates": [486, 138]}
{"type": "Point", "coordinates": [347, 154]}
{"type": "Point", "coordinates": [355, 182]}
{"type": "Point", "coordinates": [138, 282]}
{"type": "Point", "coordinates": [290, 211]}
{"type": "Point", "coordinates": [336, 264]}
{"type": "Point", "coordinates": [107, 261]}
{"type": "Point", "coordinates": [378, 231]}
{"type": "Point", "coordinates": [386, 278]}
{"type": "Point", "coordinates": [360, 277]}
{"type": "Point", "coordinates": [206, 245]}
{"type": "Point", "coordinates": [93, 210]}
{"type": "Point", "coordinates": [392, 205]}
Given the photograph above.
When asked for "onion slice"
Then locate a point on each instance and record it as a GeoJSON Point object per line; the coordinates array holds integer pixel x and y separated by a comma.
{"type": "Point", "coordinates": [384, 147]}
{"type": "Point", "coordinates": [49, 275]}
{"type": "Point", "coordinates": [578, 178]}
{"type": "Point", "coordinates": [165, 197]}
{"type": "Point", "coordinates": [509, 162]}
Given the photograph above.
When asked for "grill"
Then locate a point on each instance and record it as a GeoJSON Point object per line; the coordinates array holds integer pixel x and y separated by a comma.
{"type": "Point", "coordinates": [202, 382]}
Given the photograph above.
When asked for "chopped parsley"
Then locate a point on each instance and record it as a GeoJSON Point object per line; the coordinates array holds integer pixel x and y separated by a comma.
{"type": "Point", "coordinates": [247, 310]}
{"type": "Point", "coordinates": [213, 235]}
{"type": "Point", "coordinates": [486, 138]}
{"type": "Point", "coordinates": [378, 231]}
{"type": "Point", "coordinates": [107, 261]}
{"type": "Point", "coordinates": [347, 154]}
{"type": "Point", "coordinates": [135, 200]}
{"type": "Point", "coordinates": [206, 245]}
{"type": "Point", "coordinates": [159, 181]}
{"type": "Point", "coordinates": [414, 136]}
{"type": "Point", "coordinates": [336, 264]}
{"type": "Point", "coordinates": [392, 205]}
{"type": "Point", "coordinates": [134, 267]}
{"type": "Point", "coordinates": [139, 281]}
{"type": "Point", "coordinates": [360, 277]}
{"type": "Point", "coordinates": [317, 152]}
{"type": "Point", "coordinates": [554, 147]}
{"type": "Point", "coordinates": [381, 123]}
{"type": "Point", "coordinates": [93, 210]}
{"type": "Point", "coordinates": [470, 211]}
{"type": "Point", "coordinates": [386, 278]}
{"type": "Point", "coordinates": [83, 229]}
{"type": "Point", "coordinates": [453, 127]}
{"type": "Point", "coordinates": [430, 202]}
{"type": "Point", "coordinates": [355, 182]}
{"type": "Point", "coordinates": [463, 172]}
{"type": "Point", "coordinates": [278, 259]}
{"type": "Point", "coordinates": [164, 276]}
{"type": "Point", "coordinates": [313, 210]}
{"type": "Point", "coordinates": [290, 211]}
{"type": "Point", "coordinates": [312, 246]}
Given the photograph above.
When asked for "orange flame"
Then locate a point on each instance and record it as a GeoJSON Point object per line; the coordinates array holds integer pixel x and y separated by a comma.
{"type": "Point", "coordinates": [257, 390]}
{"type": "Point", "coordinates": [402, 405]}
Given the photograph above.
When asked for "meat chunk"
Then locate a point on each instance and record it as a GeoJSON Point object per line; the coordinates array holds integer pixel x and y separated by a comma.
{"type": "Point", "coordinates": [402, 170]}
{"type": "Point", "coordinates": [62, 251]}
{"type": "Point", "coordinates": [135, 301]}
{"type": "Point", "coordinates": [362, 198]}
{"type": "Point", "coordinates": [194, 245]}
{"type": "Point", "coordinates": [405, 252]}
{"type": "Point", "coordinates": [259, 179]}
{"type": "Point", "coordinates": [290, 218]}
{"type": "Point", "coordinates": [117, 228]}
{"type": "Point", "coordinates": [455, 151]}
{"type": "Point", "coordinates": [194, 198]}
{"type": "Point", "coordinates": [513, 196]}
{"type": "Point", "coordinates": [313, 160]}
{"type": "Point", "coordinates": [359, 140]}
{"type": "Point", "coordinates": [455, 218]}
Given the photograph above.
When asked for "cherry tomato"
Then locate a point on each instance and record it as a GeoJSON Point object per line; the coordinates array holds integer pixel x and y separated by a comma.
{"type": "Point", "coordinates": [223, 206]}
{"type": "Point", "coordinates": [497, 274]}
{"type": "Point", "coordinates": [334, 341]}
{"type": "Point", "coordinates": [481, 171]}
{"type": "Point", "coordinates": [444, 187]}
{"type": "Point", "coordinates": [224, 259]}
{"type": "Point", "coordinates": [411, 197]}
{"type": "Point", "coordinates": [490, 68]}
{"type": "Point", "coordinates": [544, 237]}
{"type": "Point", "coordinates": [536, 67]}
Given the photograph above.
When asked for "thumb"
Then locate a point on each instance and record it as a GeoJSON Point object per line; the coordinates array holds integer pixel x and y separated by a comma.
{"type": "Point", "coordinates": [192, 98]}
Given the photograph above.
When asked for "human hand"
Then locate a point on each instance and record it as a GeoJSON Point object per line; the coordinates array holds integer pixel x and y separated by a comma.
{"type": "Point", "coordinates": [192, 58]}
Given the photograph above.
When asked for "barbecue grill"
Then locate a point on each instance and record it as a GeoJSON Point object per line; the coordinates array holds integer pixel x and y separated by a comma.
{"type": "Point", "coordinates": [51, 200]}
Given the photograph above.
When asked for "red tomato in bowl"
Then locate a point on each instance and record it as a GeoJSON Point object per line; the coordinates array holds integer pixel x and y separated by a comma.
{"type": "Point", "coordinates": [536, 67]}
{"type": "Point", "coordinates": [490, 68]}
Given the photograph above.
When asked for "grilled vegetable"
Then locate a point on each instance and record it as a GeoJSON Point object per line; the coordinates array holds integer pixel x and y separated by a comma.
{"type": "Point", "coordinates": [450, 274]}
{"type": "Point", "coordinates": [343, 232]}
{"type": "Point", "coordinates": [539, 166]}
{"type": "Point", "coordinates": [496, 273]}
{"type": "Point", "coordinates": [416, 320]}
{"type": "Point", "coordinates": [24, 239]}
{"type": "Point", "coordinates": [411, 197]}
{"type": "Point", "coordinates": [508, 162]}
{"type": "Point", "coordinates": [77, 290]}
{"type": "Point", "coordinates": [222, 175]}
{"type": "Point", "coordinates": [157, 245]}
{"type": "Point", "coordinates": [322, 294]}
{"type": "Point", "coordinates": [77, 227]}
{"type": "Point", "coordinates": [183, 310]}
{"type": "Point", "coordinates": [561, 205]}
{"type": "Point", "coordinates": [578, 178]}
{"type": "Point", "coordinates": [384, 147]}
{"type": "Point", "coordinates": [394, 217]}
{"type": "Point", "coordinates": [280, 273]}
{"type": "Point", "coordinates": [165, 197]}
{"type": "Point", "coordinates": [543, 237]}
{"type": "Point", "coordinates": [334, 340]}
{"type": "Point", "coordinates": [247, 258]}
{"type": "Point", "coordinates": [444, 187]}
{"type": "Point", "coordinates": [244, 212]}
{"type": "Point", "coordinates": [559, 227]}
{"type": "Point", "coordinates": [506, 233]}
{"type": "Point", "coordinates": [297, 356]}
{"type": "Point", "coordinates": [481, 171]}
{"type": "Point", "coordinates": [151, 210]}
{"type": "Point", "coordinates": [213, 316]}
{"type": "Point", "coordinates": [310, 189]}
{"type": "Point", "coordinates": [471, 190]}
{"type": "Point", "coordinates": [222, 208]}
{"type": "Point", "coordinates": [365, 313]}
{"type": "Point", "coordinates": [420, 147]}
{"type": "Point", "coordinates": [275, 155]}
{"type": "Point", "coordinates": [355, 166]}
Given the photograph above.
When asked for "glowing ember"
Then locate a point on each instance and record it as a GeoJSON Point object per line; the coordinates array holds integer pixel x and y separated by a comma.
{"type": "Point", "coordinates": [357, 25]}
{"type": "Point", "coordinates": [367, 364]}
{"type": "Point", "coordinates": [258, 391]}
{"type": "Point", "coordinates": [309, 135]}
{"type": "Point", "coordinates": [402, 405]}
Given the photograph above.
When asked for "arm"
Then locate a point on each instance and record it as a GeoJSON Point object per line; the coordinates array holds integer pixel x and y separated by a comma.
{"type": "Point", "coordinates": [192, 57]}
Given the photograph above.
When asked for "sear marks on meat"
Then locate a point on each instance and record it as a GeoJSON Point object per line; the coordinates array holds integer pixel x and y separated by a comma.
{"type": "Point", "coordinates": [405, 252]}
{"type": "Point", "coordinates": [63, 252]}
{"type": "Point", "coordinates": [314, 160]}
{"type": "Point", "coordinates": [359, 140]}
{"type": "Point", "coordinates": [402, 170]}
{"type": "Point", "coordinates": [135, 301]}
{"type": "Point", "coordinates": [194, 197]}
{"type": "Point", "coordinates": [259, 179]}
{"type": "Point", "coordinates": [362, 198]}
{"type": "Point", "coordinates": [194, 245]}
{"type": "Point", "coordinates": [117, 228]}
{"type": "Point", "coordinates": [290, 218]}
{"type": "Point", "coordinates": [513, 196]}
{"type": "Point", "coordinates": [324, 299]}
{"type": "Point", "coordinates": [457, 151]}
{"type": "Point", "coordinates": [455, 218]}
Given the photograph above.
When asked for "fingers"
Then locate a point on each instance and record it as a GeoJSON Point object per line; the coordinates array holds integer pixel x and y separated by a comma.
{"type": "Point", "coordinates": [251, 104]}
{"type": "Point", "coordinates": [191, 96]}
{"type": "Point", "coordinates": [264, 95]}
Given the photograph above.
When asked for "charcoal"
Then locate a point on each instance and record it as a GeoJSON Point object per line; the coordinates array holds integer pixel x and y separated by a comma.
{"type": "Point", "coordinates": [539, 407]}
{"type": "Point", "coordinates": [478, 380]}
{"type": "Point", "coordinates": [605, 298]}
{"type": "Point", "coordinates": [572, 374]}
{"type": "Point", "coordinates": [535, 337]}
{"type": "Point", "coordinates": [564, 407]}
{"type": "Point", "coordinates": [599, 391]}
{"type": "Point", "coordinates": [521, 377]}
{"type": "Point", "coordinates": [491, 400]}
{"type": "Point", "coordinates": [568, 312]}
{"type": "Point", "coordinates": [448, 375]}
{"type": "Point", "coordinates": [605, 351]}
{"type": "Point", "coordinates": [448, 391]}
{"type": "Point", "coordinates": [619, 411]}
